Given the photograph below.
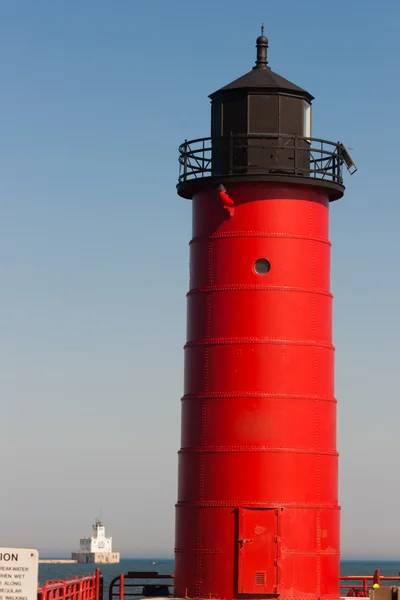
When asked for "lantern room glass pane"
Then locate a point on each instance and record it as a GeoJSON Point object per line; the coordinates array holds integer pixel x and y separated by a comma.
{"type": "Point", "coordinates": [307, 120]}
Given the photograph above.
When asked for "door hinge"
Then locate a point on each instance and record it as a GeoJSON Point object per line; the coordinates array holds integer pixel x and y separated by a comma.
{"type": "Point", "coordinates": [243, 541]}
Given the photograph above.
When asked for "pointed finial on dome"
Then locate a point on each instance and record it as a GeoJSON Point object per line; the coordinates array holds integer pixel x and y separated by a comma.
{"type": "Point", "coordinates": [262, 45]}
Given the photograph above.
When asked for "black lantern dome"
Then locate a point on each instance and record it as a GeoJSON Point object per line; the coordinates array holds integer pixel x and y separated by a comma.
{"type": "Point", "coordinates": [261, 102]}
{"type": "Point", "coordinates": [261, 129]}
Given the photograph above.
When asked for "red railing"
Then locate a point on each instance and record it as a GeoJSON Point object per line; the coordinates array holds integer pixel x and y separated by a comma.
{"type": "Point", "coordinates": [360, 585]}
{"type": "Point", "coordinates": [87, 587]}
{"type": "Point", "coordinates": [148, 584]}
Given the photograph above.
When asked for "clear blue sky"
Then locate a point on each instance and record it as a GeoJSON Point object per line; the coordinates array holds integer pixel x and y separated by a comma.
{"type": "Point", "coordinates": [95, 98]}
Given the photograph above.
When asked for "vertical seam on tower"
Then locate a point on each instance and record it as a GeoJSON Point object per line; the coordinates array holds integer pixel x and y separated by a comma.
{"type": "Point", "coordinates": [199, 564]}
{"type": "Point", "coordinates": [209, 283]}
{"type": "Point", "coordinates": [200, 514]}
{"type": "Point", "coordinates": [208, 314]}
{"type": "Point", "coordinates": [204, 423]}
{"type": "Point", "coordinates": [319, 569]}
{"type": "Point", "coordinates": [206, 365]}
{"type": "Point", "coordinates": [316, 405]}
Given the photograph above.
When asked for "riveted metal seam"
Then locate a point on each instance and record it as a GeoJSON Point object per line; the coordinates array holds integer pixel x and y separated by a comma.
{"type": "Point", "coordinates": [218, 341]}
{"type": "Point", "coordinates": [256, 394]}
{"type": "Point", "coordinates": [208, 315]}
{"type": "Point", "coordinates": [257, 287]}
{"type": "Point", "coordinates": [258, 449]}
{"type": "Point", "coordinates": [201, 475]}
{"type": "Point", "coordinates": [198, 550]}
{"type": "Point", "coordinates": [318, 548]}
{"type": "Point", "coordinates": [210, 286]}
{"type": "Point", "coordinates": [315, 379]}
{"type": "Point", "coordinates": [199, 563]}
{"type": "Point", "coordinates": [204, 423]}
{"type": "Point", "coordinates": [255, 503]}
{"type": "Point", "coordinates": [206, 370]}
{"type": "Point", "coordinates": [303, 597]}
{"type": "Point", "coordinates": [259, 234]}
{"type": "Point", "coordinates": [288, 552]}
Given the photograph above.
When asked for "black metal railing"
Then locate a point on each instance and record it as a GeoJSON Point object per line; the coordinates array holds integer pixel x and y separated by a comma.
{"type": "Point", "coordinates": [266, 154]}
{"type": "Point", "coordinates": [141, 584]}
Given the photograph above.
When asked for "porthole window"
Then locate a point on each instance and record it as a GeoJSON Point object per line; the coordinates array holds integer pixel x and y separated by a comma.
{"type": "Point", "coordinates": [262, 266]}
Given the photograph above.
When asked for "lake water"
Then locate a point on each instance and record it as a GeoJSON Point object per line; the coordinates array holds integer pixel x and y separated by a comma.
{"type": "Point", "coordinates": [166, 566]}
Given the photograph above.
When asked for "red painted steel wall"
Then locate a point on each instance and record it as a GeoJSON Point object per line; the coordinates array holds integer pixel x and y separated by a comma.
{"type": "Point", "coordinates": [257, 509]}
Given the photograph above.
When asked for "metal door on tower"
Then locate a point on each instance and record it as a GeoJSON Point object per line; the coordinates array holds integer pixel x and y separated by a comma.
{"type": "Point", "coordinates": [257, 550]}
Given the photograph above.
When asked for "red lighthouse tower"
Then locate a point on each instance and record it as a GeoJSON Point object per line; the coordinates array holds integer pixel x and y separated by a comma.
{"type": "Point", "coordinates": [257, 513]}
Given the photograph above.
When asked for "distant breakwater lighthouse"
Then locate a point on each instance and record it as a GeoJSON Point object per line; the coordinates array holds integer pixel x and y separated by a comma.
{"type": "Point", "coordinates": [96, 549]}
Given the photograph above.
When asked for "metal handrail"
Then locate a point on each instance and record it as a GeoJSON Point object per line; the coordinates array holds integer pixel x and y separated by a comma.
{"type": "Point", "coordinates": [322, 159]}
{"type": "Point", "coordinates": [360, 585]}
{"type": "Point", "coordinates": [126, 586]}
{"type": "Point", "coordinates": [87, 587]}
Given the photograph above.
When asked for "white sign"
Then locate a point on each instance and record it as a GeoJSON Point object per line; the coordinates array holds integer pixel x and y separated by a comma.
{"type": "Point", "coordinates": [18, 573]}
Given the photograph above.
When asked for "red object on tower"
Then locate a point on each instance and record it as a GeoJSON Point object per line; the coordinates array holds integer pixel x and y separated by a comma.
{"type": "Point", "coordinates": [257, 512]}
